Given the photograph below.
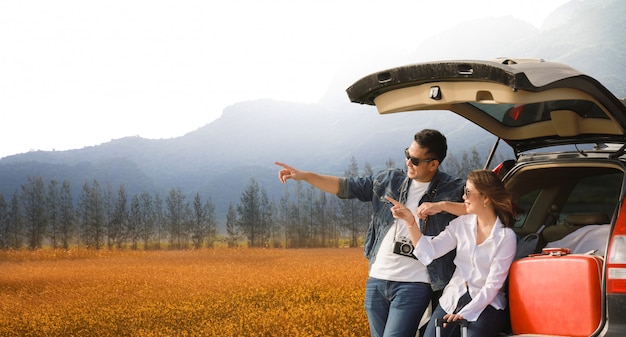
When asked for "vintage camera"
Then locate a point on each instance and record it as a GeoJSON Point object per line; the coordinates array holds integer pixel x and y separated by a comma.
{"type": "Point", "coordinates": [403, 246]}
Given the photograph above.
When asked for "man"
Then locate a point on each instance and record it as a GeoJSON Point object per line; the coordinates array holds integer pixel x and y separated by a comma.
{"type": "Point", "coordinates": [399, 287]}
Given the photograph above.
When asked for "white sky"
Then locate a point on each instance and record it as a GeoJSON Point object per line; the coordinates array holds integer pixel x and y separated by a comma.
{"type": "Point", "coordinates": [78, 73]}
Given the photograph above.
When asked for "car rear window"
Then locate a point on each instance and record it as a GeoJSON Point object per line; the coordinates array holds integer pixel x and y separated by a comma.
{"type": "Point", "coordinates": [595, 194]}
{"type": "Point", "coordinates": [563, 189]}
{"type": "Point", "coordinates": [520, 115]}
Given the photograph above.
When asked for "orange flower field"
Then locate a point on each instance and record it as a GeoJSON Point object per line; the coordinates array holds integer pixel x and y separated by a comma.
{"type": "Point", "coordinates": [209, 292]}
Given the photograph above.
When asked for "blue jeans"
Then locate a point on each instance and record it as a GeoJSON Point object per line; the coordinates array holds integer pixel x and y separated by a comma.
{"type": "Point", "coordinates": [395, 308]}
{"type": "Point", "coordinates": [489, 323]}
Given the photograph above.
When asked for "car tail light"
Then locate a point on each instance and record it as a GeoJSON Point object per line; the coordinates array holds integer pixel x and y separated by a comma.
{"type": "Point", "coordinates": [503, 168]}
{"type": "Point", "coordinates": [498, 168]}
{"type": "Point", "coordinates": [516, 112]}
{"type": "Point", "coordinates": [616, 259]}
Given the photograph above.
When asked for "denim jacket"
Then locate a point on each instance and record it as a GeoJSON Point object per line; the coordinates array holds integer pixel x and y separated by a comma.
{"type": "Point", "coordinates": [395, 183]}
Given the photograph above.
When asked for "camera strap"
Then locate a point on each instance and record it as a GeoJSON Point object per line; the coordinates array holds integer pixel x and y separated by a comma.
{"type": "Point", "coordinates": [395, 230]}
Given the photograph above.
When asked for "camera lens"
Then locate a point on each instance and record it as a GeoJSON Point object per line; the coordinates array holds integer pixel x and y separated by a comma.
{"type": "Point", "coordinates": [406, 249]}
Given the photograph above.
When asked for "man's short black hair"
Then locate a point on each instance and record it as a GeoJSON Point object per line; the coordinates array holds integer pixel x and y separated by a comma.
{"type": "Point", "coordinates": [434, 141]}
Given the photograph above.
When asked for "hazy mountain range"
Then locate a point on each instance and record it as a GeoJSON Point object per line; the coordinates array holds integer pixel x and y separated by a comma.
{"type": "Point", "coordinates": [218, 159]}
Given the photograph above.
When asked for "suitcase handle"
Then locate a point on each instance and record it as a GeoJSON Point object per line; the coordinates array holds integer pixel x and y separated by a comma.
{"type": "Point", "coordinates": [552, 252]}
{"type": "Point", "coordinates": [439, 322]}
{"type": "Point", "coordinates": [555, 251]}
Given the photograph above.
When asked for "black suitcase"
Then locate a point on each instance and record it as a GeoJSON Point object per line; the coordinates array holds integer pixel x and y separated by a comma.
{"type": "Point", "coordinates": [440, 321]}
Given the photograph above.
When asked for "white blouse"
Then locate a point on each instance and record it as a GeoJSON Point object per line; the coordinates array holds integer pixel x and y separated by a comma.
{"type": "Point", "coordinates": [484, 268]}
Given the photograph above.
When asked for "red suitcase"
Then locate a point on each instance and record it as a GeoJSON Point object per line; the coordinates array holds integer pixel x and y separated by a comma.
{"type": "Point", "coordinates": [556, 294]}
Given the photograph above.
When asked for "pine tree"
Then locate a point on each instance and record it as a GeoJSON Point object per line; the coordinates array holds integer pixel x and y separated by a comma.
{"type": "Point", "coordinates": [350, 209]}
{"type": "Point", "coordinates": [92, 215]}
{"type": "Point", "coordinates": [135, 220]}
{"type": "Point", "coordinates": [211, 222]}
{"type": "Point", "coordinates": [148, 218]}
{"type": "Point", "coordinates": [4, 223]}
{"type": "Point", "coordinates": [66, 214]}
{"type": "Point", "coordinates": [231, 226]}
{"type": "Point", "coordinates": [15, 230]}
{"type": "Point", "coordinates": [175, 218]}
{"type": "Point", "coordinates": [199, 222]}
{"type": "Point", "coordinates": [53, 213]}
{"type": "Point", "coordinates": [34, 202]}
{"type": "Point", "coordinates": [249, 211]}
{"type": "Point", "coordinates": [118, 225]}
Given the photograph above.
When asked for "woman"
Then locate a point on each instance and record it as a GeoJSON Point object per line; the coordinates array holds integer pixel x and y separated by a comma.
{"type": "Point", "coordinates": [485, 247]}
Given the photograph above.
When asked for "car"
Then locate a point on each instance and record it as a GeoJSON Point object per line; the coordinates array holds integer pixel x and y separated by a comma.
{"type": "Point", "coordinates": [561, 136]}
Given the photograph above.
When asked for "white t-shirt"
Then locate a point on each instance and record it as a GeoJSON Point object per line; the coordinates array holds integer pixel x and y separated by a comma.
{"type": "Point", "coordinates": [393, 267]}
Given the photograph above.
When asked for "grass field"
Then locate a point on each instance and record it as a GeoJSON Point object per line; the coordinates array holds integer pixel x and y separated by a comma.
{"type": "Point", "coordinates": [216, 292]}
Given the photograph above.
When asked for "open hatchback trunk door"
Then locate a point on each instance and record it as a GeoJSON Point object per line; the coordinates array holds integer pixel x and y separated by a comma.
{"type": "Point", "coordinates": [529, 104]}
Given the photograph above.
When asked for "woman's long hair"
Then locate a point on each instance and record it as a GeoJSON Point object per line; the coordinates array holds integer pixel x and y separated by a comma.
{"type": "Point", "coordinates": [490, 185]}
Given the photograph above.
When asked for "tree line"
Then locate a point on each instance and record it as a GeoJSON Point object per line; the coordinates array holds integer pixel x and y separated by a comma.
{"type": "Point", "coordinates": [41, 214]}
{"type": "Point", "coordinates": [44, 214]}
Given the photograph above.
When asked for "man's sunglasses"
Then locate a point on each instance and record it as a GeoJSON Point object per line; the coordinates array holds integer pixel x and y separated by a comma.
{"type": "Point", "coordinates": [416, 161]}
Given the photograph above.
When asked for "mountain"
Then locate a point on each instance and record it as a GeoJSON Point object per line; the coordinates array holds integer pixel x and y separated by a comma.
{"type": "Point", "coordinates": [218, 159]}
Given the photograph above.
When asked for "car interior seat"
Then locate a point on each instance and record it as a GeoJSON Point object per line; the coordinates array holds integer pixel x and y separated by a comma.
{"type": "Point", "coordinates": [573, 222]}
